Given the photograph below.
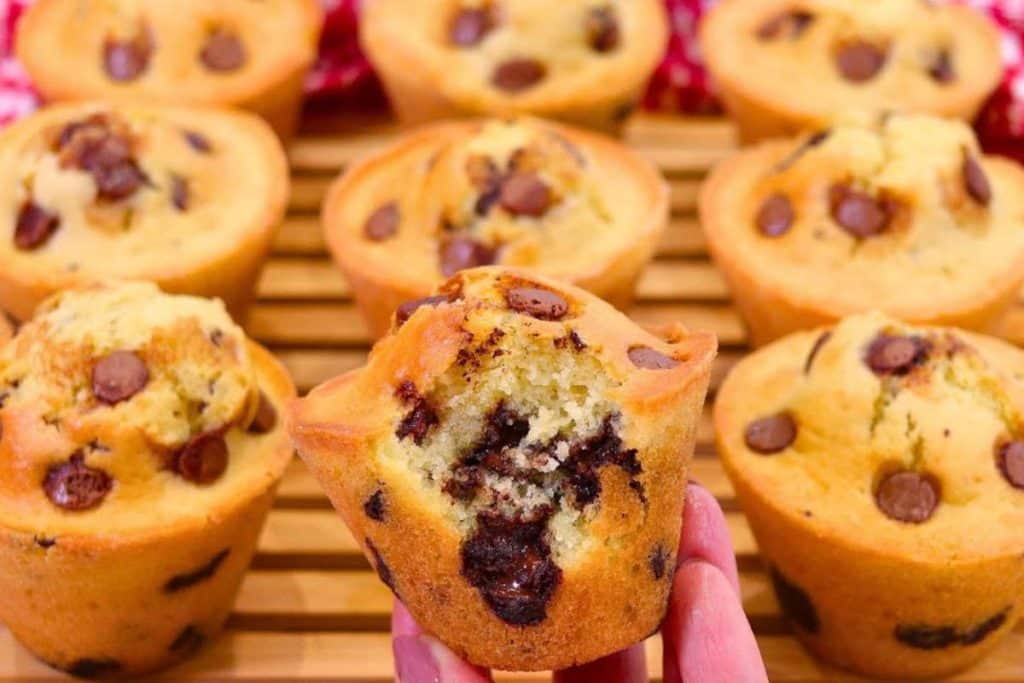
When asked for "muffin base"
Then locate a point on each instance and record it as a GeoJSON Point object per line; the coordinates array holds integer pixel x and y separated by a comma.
{"type": "Point", "coordinates": [847, 601]}
{"type": "Point", "coordinates": [127, 605]}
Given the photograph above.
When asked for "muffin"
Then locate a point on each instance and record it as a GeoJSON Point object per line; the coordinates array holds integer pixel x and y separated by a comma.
{"type": "Point", "coordinates": [139, 455]}
{"type": "Point", "coordinates": [903, 214]}
{"type": "Point", "coordinates": [187, 197]}
{"type": "Point", "coordinates": [6, 328]}
{"type": "Point", "coordinates": [513, 461]}
{"type": "Point", "coordinates": [520, 192]}
{"type": "Point", "coordinates": [783, 66]}
{"type": "Point", "coordinates": [582, 61]}
{"type": "Point", "coordinates": [252, 55]}
{"type": "Point", "coordinates": [881, 467]}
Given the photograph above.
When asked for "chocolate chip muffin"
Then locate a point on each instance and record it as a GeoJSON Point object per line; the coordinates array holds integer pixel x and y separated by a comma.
{"type": "Point", "coordinates": [513, 461]}
{"type": "Point", "coordinates": [139, 453]}
{"type": "Point", "coordinates": [187, 197]}
{"type": "Point", "coordinates": [904, 214]}
{"type": "Point", "coordinates": [784, 66]}
{"type": "Point", "coordinates": [239, 53]}
{"type": "Point", "coordinates": [881, 466]}
{"type": "Point", "coordinates": [581, 61]}
{"type": "Point", "coordinates": [520, 192]}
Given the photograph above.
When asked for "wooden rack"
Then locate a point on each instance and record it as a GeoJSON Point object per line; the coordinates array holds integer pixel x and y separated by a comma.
{"type": "Point", "coordinates": [311, 609]}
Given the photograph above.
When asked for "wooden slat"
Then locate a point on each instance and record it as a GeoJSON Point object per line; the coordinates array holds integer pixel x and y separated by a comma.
{"type": "Point", "coordinates": [303, 279]}
{"type": "Point", "coordinates": [318, 539]}
{"type": "Point", "coordinates": [303, 236]}
{"type": "Point", "coordinates": [318, 324]}
{"type": "Point", "coordinates": [366, 658]}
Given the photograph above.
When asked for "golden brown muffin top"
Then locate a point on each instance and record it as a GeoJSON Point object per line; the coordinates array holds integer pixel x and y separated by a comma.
{"type": "Point", "coordinates": [899, 439]}
{"type": "Point", "coordinates": [522, 55]}
{"type": "Point", "coordinates": [519, 192]}
{"type": "Point", "coordinates": [904, 214]}
{"type": "Point", "coordinates": [176, 51]}
{"type": "Point", "coordinates": [125, 408]}
{"type": "Point", "coordinates": [820, 58]}
{"type": "Point", "coordinates": [164, 189]}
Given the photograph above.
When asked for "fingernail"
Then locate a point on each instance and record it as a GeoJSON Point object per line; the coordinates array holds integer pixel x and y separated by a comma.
{"type": "Point", "coordinates": [414, 661]}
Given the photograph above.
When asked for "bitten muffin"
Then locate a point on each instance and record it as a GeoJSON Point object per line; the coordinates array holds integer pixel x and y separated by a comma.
{"type": "Point", "coordinates": [522, 192]}
{"type": "Point", "coordinates": [513, 461]}
{"type": "Point", "coordinates": [881, 467]}
{"type": "Point", "coordinates": [240, 53]}
{"type": "Point", "coordinates": [187, 197]}
{"type": "Point", "coordinates": [904, 215]}
{"type": "Point", "coordinates": [139, 454]}
{"type": "Point", "coordinates": [581, 61]}
{"type": "Point", "coordinates": [784, 66]}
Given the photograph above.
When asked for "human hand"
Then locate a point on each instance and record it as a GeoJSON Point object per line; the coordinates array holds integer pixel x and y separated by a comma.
{"type": "Point", "coordinates": [707, 638]}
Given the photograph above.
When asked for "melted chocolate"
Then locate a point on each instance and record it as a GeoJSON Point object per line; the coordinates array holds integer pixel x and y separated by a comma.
{"type": "Point", "coordinates": [509, 562]}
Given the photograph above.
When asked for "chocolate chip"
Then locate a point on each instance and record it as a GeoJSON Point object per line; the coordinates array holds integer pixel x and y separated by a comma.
{"type": "Point", "coordinates": [118, 376]}
{"type": "Point", "coordinates": [775, 217]}
{"type": "Point", "coordinates": [383, 570]}
{"type": "Point", "coordinates": [266, 417]}
{"type": "Point", "coordinates": [647, 358]}
{"type": "Point", "coordinates": [895, 354]}
{"type": "Point", "coordinates": [203, 459]}
{"type": "Point", "coordinates": [602, 29]}
{"type": "Point", "coordinates": [180, 193]}
{"type": "Point", "coordinates": [818, 343]}
{"type": "Point", "coordinates": [542, 304]}
{"type": "Point", "coordinates": [406, 310]}
{"type": "Point", "coordinates": [459, 253]}
{"type": "Point", "coordinates": [105, 152]}
{"type": "Point", "coordinates": [421, 417]}
{"type": "Point", "coordinates": [198, 142]}
{"type": "Point", "coordinates": [795, 603]}
{"type": "Point", "coordinates": [223, 51]}
{"type": "Point", "coordinates": [587, 456]}
{"type": "Point", "coordinates": [525, 194]}
{"type": "Point", "coordinates": [35, 226]}
{"type": "Point", "coordinates": [1011, 463]}
{"type": "Point", "coordinates": [75, 486]}
{"type": "Point", "coordinates": [374, 506]}
{"type": "Point", "coordinates": [509, 562]}
{"type": "Point", "coordinates": [925, 637]}
{"type": "Point", "coordinates": [180, 582]}
{"type": "Point", "coordinates": [126, 60]}
{"type": "Point", "coordinates": [483, 173]}
{"type": "Point", "coordinates": [94, 668]}
{"type": "Point", "coordinates": [860, 61]}
{"type": "Point", "coordinates": [789, 25]}
{"type": "Point", "coordinates": [858, 213]}
{"type": "Point", "coordinates": [382, 223]}
{"type": "Point", "coordinates": [44, 542]}
{"type": "Point", "coordinates": [907, 496]}
{"type": "Point", "coordinates": [189, 641]}
{"type": "Point", "coordinates": [976, 180]}
{"type": "Point", "coordinates": [772, 434]}
{"type": "Point", "coordinates": [470, 26]}
{"type": "Point", "coordinates": [516, 75]}
{"type": "Point", "coordinates": [941, 69]}
{"type": "Point", "coordinates": [659, 562]}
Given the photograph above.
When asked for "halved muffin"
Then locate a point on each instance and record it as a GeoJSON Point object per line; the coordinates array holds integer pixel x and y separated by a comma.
{"type": "Point", "coordinates": [520, 192]}
{"type": "Point", "coordinates": [581, 61]}
{"type": "Point", "coordinates": [139, 453]}
{"type": "Point", "coordinates": [513, 462]}
{"type": "Point", "coordinates": [881, 467]}
{"type": "Point", "coordinates": [903, 214]}
{"type": "Point", "coordinates": [241, 53]}
{"type": "Point", "coordinates": [187, 197]}
{"type": "Point", "coordinates": [787, 66]}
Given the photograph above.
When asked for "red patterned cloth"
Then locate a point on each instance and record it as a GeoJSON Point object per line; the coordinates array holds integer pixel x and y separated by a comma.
{"type": "Point", "coordinates": [342, 74]}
